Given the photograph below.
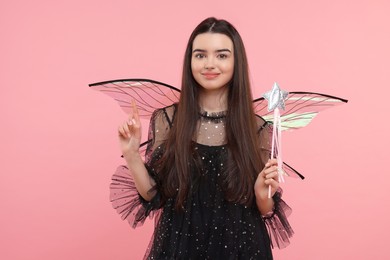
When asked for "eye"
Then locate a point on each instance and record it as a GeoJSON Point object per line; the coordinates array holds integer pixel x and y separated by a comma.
{"type": "Point", "coordinates": [222, 56]}
{"type": "Point", "coordinates": [199, 55]}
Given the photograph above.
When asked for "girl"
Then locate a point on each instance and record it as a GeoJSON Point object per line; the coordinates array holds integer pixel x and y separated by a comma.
{"type": "Point", "coordinates": [207, 169]}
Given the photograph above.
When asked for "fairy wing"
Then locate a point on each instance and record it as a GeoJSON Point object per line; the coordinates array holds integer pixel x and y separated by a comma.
{"type": "Point", "coordinates": [300, 108]}
{"type": "Point", "coordinates": [148, 94]}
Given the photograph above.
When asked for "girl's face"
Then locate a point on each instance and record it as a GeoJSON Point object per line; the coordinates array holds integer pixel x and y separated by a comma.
{"type": "Point", "coordinates": [212, 61]}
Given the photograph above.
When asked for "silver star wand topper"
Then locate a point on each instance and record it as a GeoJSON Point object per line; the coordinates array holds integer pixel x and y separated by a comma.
{"type": "Point", "coordinates": [275, 98]}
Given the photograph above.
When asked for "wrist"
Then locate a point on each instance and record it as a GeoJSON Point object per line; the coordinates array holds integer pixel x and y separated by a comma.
{"type": "Point", "coordinates": [131, 156]}
{"type": "Point", "coordinates": [261, 195]}
{"type": "Point", "coordinates": [264, 204]}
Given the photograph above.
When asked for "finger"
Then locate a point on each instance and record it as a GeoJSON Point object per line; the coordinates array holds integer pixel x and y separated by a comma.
{"type": "Point", "coordinates": [135, 123]}
{"type": "Point", "coordinates": [121, 131]}
{"type": "Point", "coordinates": [126, 128]}
{"type": "Point", "coordinates": [271, 162]}
{"type": "Point", "coordinates": [272, 175]}
{"type": "Point", "coordinates": [270, 170]}
{"type": "Point", "coordinates": [135, 111]}
{"type": "Point", "coordinates": [267, 170]}
{"type": "Point", "coordinates": [274, 184]}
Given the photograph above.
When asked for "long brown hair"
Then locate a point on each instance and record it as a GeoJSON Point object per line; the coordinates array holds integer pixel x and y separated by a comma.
{"type": "Point", "coordinates": [242, 142]}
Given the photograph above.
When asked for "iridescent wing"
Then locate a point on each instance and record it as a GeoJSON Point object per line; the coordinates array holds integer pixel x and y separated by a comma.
{"type": "Point", "coordinates": [300, 108]}
{"type": "Point", "coordinates": [148, 94]}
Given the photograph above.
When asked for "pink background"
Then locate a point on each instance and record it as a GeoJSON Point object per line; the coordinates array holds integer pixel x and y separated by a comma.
{"type": "Point", "coordinates": [58, 140]}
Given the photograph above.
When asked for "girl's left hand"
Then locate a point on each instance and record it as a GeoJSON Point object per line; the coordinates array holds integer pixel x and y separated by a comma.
{"type": "Point", "coordinates": [268, 176]}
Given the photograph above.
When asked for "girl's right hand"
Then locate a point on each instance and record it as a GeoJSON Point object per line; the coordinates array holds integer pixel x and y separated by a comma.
{"type": "Point", "coordinates": [130, 133]}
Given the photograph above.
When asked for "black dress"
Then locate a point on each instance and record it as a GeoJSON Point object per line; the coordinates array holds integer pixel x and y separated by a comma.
{"type": "Point", "coordinates": [209, 226]}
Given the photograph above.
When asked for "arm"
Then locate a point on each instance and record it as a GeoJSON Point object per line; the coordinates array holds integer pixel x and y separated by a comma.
{"type": "Point", "coordinates": [268, 176]}
{"type": "Point", "coordinates": [143, 182]}
{"type": "Point", "coordinates": [129, 138]}
{"type": "Point", "coordinates": [274, 210]}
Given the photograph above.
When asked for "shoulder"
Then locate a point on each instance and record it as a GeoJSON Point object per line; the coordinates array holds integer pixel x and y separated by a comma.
{"type": "Point", "coordinates": [164, 115]}
{"type": "Point", "coordinates": [160, 125]}
{"type": "Point", "coordinates": [261, 123]}
{"type": "Point", "coordinates": [264, 132]}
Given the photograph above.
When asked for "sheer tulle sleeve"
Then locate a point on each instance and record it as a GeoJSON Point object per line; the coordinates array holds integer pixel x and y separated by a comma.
{"type": "Point", "coordinates": [124, 196]}
{"type": "Point", "coordinates": [127, 201]}
{"type": "Point", "coordinates": [278, 227]}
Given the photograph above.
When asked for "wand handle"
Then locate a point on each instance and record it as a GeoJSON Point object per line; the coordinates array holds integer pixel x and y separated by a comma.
{"type": "Point", "coordinates": [277, 143]}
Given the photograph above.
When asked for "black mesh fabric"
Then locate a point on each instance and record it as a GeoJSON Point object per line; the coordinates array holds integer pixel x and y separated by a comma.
{"type": "Point", "coordinates": [209, 227]}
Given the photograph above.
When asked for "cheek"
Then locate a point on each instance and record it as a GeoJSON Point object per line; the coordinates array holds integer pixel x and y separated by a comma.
{"type": "Point", "coordinates": [195, 70]}
{"type": "Point", "coordinates": [195, 66]}
{"type": "Point", "coordinates": [228, 68]}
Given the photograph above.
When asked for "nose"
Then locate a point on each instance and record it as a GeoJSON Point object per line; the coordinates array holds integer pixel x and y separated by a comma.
{"type": "Point", "coordinates": [209, 63]}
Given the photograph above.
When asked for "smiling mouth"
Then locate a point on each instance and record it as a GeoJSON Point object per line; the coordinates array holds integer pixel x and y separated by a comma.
{"type": "Point", "coordinates": [210, 75]}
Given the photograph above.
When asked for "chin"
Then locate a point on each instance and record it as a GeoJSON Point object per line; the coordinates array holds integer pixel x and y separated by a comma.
{"type": "Point", "coordinates": [212, 85]}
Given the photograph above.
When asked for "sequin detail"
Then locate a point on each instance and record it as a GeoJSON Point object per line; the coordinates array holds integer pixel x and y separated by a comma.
{"type": "Point", "coordinates": [209, 227]}
{"type": "Point", "coordinates": [211, 128]}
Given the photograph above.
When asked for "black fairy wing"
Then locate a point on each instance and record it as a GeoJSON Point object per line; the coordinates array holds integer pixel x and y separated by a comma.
{"type": "Point", "coordinates": [148, 94]}
{"type": "Point", "coordinates": [300, 109]}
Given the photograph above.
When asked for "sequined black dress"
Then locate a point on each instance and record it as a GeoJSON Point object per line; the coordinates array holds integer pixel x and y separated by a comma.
{"type": "Point", "coordinates": [209, 227]}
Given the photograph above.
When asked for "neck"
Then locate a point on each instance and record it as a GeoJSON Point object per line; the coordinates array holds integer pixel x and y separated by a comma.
{"type": "Point", "coordinates": [213, 100]}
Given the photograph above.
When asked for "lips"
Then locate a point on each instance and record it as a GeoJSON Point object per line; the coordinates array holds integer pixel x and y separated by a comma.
{"type": "Point", "coordinates": [210, 75]}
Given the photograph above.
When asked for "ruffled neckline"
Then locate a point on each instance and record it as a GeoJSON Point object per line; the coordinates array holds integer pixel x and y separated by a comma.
{"type": "Point", "coordinates": [212, 115]}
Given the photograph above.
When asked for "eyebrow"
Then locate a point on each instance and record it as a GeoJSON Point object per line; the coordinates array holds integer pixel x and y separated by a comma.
{"type": "Point", "coordinates": [221, 50]}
